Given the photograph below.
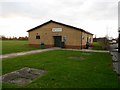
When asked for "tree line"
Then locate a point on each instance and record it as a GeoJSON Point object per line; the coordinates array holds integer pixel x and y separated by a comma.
{"type": "Point", "coordinates": [13, 38]}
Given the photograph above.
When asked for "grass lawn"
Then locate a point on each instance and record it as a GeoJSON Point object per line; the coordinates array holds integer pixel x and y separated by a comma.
{"type": "Point", "coordinates": [12, 46]}
{"type": "Point", "coordinates": [93, 70]}
{"type": "Point", "coordinates": [97, 46]}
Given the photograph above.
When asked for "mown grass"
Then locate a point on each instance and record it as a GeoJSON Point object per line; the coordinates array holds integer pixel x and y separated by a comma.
{"type": "Point", "coordinates": [12, 46]}
{"type": "Point", "coordinates": [95, 71]}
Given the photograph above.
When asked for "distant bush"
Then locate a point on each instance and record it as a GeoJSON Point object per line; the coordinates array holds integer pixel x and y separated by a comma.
{"type": "Point", "coordinates": [13, 38]}
{"type": "Point", "coordinates": [101, 43]}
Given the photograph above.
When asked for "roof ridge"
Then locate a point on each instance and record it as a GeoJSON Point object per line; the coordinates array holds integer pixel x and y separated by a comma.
{"type": "Point", "coordinates": [58, 23]}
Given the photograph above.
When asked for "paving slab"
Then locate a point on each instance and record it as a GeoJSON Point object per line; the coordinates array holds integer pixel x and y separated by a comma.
{"type": "Point", "coordinates": [115, 59]}
{"type": "Point", "coordinates": [23, 76]}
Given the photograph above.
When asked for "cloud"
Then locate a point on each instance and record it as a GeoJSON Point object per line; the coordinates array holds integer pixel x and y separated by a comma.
{"type": "Point", "coordinates": [86, 14]}
{"type": "Point", "coordinates": [119, 14]}
{"type": "Point", "coordinates": [56, 8]}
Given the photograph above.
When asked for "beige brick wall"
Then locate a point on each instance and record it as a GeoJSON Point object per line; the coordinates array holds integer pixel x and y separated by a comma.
{"type": "Point", "coordinates": [85, 36]}
{"type": "Point", "coordinates": [46, 35]}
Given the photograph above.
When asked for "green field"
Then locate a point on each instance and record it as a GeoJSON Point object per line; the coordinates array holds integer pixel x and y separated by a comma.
{"type": "Point", "coordinates": [91, 70]}
{"type": "Point", "coordinates": [12, 46]}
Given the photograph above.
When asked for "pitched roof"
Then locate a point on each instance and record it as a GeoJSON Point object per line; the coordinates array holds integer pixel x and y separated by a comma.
{"type": "Point", "coordinates": [60, 24]}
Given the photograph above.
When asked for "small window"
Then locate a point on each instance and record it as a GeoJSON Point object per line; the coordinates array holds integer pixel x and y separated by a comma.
{"type": "Point", "coordinates": [90, 39]}
{"type": "Point", "coordinates": [38, 37]}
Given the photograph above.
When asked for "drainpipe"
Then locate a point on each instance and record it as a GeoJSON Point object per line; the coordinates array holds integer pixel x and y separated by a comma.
{"type": "Point", "coordinates": [81, 39]}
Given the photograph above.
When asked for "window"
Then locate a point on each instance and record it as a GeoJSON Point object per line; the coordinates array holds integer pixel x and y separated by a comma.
{"type": "Point", "coordinates": [89, 39]}
{"type": "Point", "coordinates": [83, 37]}
{"type": "Point", "coordinates": [64, 38]}
{"type": "Point", "coordinates": [37, 36]}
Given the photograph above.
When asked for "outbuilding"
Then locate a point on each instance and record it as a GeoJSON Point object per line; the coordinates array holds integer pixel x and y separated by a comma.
{"type": "Point", "coordinates": [56, 34]}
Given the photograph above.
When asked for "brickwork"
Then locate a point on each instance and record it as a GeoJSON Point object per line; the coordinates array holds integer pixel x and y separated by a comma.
{"type": "Point", "coordinates": [74, 37]}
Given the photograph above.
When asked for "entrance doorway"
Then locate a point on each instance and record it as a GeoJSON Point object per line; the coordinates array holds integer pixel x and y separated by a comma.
{"type": "Point", "coordinates": [57, 41]}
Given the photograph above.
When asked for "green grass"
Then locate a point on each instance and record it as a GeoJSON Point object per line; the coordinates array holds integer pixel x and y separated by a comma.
{"type": "Point", "coordinates": [12, 46]}
{"type": "Point", "coordinates": [95, 71]}
{"type": "Point", "coordinates": [97, 46]}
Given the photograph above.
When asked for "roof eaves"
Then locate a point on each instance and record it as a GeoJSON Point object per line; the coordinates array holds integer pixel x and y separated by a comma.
{"type": "Point", "coordinates": [60, 24]}
{"type": "Point", "coordinates": [39, 26]}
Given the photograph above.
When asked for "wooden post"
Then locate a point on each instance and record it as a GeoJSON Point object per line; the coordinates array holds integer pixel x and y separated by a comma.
{"type": "Point", "coordinates": [119, 42]}
{"type": "Point", "coordinates": [119, 27]}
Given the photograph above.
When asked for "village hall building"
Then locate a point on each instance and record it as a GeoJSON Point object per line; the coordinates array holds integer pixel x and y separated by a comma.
{"type": "Point", "coordinates": [56, 34]}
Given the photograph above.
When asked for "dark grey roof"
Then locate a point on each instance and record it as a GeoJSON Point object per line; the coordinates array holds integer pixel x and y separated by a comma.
{"type": "Point", "coordinates": [60, 24]}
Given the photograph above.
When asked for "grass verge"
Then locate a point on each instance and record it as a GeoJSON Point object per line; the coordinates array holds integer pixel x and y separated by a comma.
{"type": "Point", "coordinates": [94, 70]}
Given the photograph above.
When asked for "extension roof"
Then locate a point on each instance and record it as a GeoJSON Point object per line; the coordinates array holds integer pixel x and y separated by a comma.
{"type": "Point", "coordinates": [60, 24]}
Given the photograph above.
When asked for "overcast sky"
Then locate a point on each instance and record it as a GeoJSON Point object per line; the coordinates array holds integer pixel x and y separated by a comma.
{"type": "Point", "coordinates": [99, 17]}
{"type": "Point", "coordinates": [119, 15]}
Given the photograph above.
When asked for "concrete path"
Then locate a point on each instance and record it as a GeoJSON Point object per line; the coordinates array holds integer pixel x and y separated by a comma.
{"type": "Point", "coordinates": [115, 57]}
{"type": "Point", "coordinates": [88, 50]}
{"type": "Point", "coordinates": [44, 50]}
{"type": "Point", "coordinates": [26, 53]}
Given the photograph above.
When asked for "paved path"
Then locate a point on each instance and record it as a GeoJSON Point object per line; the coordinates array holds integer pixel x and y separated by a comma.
{"type": "Point", "coordinates": [26, 53]}
{"type": "Point", "coordinates": [44, 50]}
{"type": "Point", "coordinates": [115, 58]}
{"type": "Point", "coordinates": [88, 50]}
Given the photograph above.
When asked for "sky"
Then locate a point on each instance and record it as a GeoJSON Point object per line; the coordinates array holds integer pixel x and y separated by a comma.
{"type": "Point", "coordinates": [99, 17]}
{"type": "Point", "coordinates": [119, 15]}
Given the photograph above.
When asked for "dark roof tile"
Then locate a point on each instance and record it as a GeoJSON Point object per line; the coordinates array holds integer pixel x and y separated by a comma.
{"type": "Point", "coordinates": [60, 24]}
